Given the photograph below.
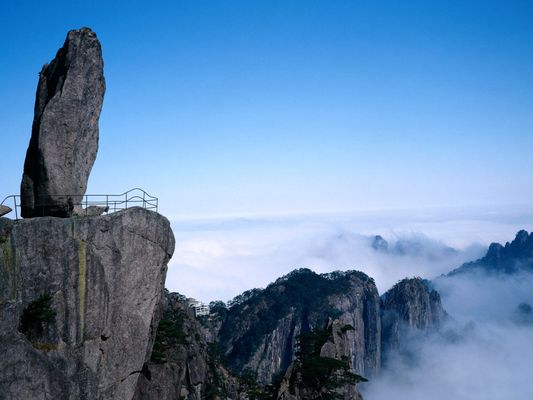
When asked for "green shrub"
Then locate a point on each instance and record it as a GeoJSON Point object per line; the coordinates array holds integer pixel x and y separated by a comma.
{"type": "Point", "coordinates": [169, 333]}
{"type": "Point", "coordinates": [36, 316]}
{"type": "Point", "coordinates": [320, 376]}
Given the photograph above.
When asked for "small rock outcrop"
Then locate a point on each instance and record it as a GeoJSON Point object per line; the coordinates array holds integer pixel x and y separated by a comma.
{"type": "Point", "coordinates": [410, 307]}
{"type": "Point", "coordinates": [77, 303]}
{"type": "Point", "coordinates": [4, 210]}
{"type": "Point", "coordinates": [259, 331]}
{"type": "Point", "coordinates": [380, 244]}
{"type": "Point", "coordinates": [64, 139]}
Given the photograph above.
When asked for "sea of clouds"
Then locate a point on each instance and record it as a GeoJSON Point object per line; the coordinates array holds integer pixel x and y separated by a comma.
{"type": "Point", "coordinates": [483, 352]}
{"type": "Point", "coordinates": [219, 259]}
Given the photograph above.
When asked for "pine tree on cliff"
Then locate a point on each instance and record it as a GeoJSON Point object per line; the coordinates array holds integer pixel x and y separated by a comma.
{"type": "Point", "coordinates": [321, 378]}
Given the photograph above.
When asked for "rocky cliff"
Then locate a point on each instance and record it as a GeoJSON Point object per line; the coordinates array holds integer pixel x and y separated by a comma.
{"type": "Point", "coordinates": [259, 331]}
{"type": "Point", "coordinates": [513, 257]}
{"type": "Point", "coordinates": [182, 364]}
{"type": "Point", "coordinates": [322, 368]}
{"type": "Point", "coordinates": [410, 307]}
{"type": "Point", "coordinates": [77, 303]}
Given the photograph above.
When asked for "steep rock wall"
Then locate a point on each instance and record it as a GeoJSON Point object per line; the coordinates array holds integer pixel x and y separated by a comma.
{"type": "Point", "coordinates": [409, 308]}
{"type": "Point", "coordinates": [181, 366]}
{"type": "Point", "coordinates": [259, 333]}
{"type": "Point", "coordinates": [77, 303]}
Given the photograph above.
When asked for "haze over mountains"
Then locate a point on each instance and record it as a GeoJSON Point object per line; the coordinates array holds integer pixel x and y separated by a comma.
{"type": "Point", "coordinates": [483, 350]}
{"type": "Point", "coordinates": [418, 340]}
{"type": "Point", "coordinates": [478, 314]}
{"type": "Point", "coordinates": [368, 153]}
{"type": "Point", "coordinates": [252, 252]}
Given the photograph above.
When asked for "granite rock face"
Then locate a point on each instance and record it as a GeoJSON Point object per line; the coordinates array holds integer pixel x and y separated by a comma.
{"type": "Point", "coordinates": [77, 303]}
{"type": "Point", "coordinates": [64, 139]}
{"type": "Point", "coordinates": [181, 367]}
{"type": "Point", "coordinates": [259, 332]}
{"type": "Point", "coordinates": [409, 308]}
{"type": "Point", "coordinates": [337, 346]}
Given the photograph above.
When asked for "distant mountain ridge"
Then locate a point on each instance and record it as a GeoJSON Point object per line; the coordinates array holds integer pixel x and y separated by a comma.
{"type": "Point", "coordinates": [415, 247]}
{"type": "Point", "coordinates": [511, 258]}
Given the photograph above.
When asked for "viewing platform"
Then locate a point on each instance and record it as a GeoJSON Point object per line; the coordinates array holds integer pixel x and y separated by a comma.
{"type": "Point", "coordinates": [86, 205]}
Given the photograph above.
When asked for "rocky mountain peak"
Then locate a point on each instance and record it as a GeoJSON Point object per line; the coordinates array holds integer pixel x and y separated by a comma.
{"type": "Point", "coordinates": [259, 330]}
{"type": "Point", "coordinates": [380, 244]}
{"type": "Point", "coordinates": [409, 307]}
{"type": "Point", "coordinates": [416, 304]}
{"type": "Point", "coordinates": [521, 246]}
{"type": "Point", "coordinates": [515, 256]}
{"type": "Point", "coordinates": [494, 252]}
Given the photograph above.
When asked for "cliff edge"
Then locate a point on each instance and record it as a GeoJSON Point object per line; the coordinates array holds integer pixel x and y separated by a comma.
{"type": "Point", "coordinates": [78, 300]}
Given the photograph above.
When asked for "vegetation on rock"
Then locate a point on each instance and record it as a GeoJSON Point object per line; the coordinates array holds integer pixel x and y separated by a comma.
{"type": "Point", "coordinates": [169, 334]}
{"type": "Point", "coordinates": [36, 316]}
{"type": "Point", "coordinates": [297, 292]}
{"type": "Point", "coordinates": [320, 377]}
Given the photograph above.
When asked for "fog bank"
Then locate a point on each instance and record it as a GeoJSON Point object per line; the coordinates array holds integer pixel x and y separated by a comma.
{"type": "Point", "coordinates": [483, 353]}
{"type": "Point", "coordinates": [219, 259]}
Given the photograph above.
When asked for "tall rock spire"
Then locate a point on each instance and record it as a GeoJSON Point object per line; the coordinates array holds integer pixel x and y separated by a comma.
{"type": "Point", "coordinates": [64, 139]}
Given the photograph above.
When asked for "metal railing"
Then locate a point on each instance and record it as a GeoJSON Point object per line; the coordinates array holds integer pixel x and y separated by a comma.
{"type": "Point", "coordinates": [109, 202]}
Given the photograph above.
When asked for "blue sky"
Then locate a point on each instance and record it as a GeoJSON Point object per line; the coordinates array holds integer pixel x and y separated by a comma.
{"type": "Point", "coordinates": [256, 107]}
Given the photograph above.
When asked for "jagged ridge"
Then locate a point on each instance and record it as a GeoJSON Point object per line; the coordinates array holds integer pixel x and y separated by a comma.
{"type": "Point", "coordinates": [513, 257]}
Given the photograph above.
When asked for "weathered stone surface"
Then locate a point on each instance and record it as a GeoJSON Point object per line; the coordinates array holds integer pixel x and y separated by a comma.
{"type": "Point", "coordinates": [105, 277]}
{"type": "Point", "coordinates": [259, 333]}
{"type": "Point", "coordinates": [338, 346]}
{"type": "Point", "coordinates": [276, 349]}
{"type": "Point", "coordinates": [4, 210]}
{"type": "Point", "coordinates": [91, 211]}
{"type": "Point", "coordinates": [409, 308]}
{"type": "Point", "coordinates": [360, 308]}
{"type": "Point", "coordinates": [185, 369]}
{"type": "Point", "coordinates": [64, 139]}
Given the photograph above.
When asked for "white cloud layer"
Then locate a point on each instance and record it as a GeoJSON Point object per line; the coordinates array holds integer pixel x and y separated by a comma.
{"type": "Point", "coordinates": [218, 259]}
{"type": "Point", "coordinates": [483, 354]}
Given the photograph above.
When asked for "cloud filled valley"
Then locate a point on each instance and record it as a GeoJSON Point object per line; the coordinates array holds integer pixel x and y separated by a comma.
{"type": "Point", "coordinates": [250, 253]}
{"type": "Point", "coordinates": [483, 350]}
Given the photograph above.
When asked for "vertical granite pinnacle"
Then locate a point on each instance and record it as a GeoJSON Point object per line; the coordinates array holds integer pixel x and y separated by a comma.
{"type": "Point", "coordinates": [64, 139]}
{"type": "Point", "coordinates": [408, 309]}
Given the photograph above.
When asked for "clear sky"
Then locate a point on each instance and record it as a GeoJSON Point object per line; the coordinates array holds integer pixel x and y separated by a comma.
{"type": "Point", "coordinates": [272, 107]}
